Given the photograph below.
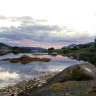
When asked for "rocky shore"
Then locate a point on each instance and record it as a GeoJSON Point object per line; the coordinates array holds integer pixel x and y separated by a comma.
{"type": "Point", "coordinates": [25, 87]}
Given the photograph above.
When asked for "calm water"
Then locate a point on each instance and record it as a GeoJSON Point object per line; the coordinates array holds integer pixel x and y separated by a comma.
{"type": "Point", "coordinates": [11, 73]}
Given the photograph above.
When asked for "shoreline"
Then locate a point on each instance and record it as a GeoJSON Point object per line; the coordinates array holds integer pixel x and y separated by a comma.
{"type": "Point", "coordinates": [64, 83]}
{"type": "Point", "coordinates": [26, 86]}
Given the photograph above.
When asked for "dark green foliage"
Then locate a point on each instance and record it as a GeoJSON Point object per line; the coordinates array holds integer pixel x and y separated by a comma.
{"type": "Point", "coordinates": [17, 50]}
{"type": "Point", "coordinates": [84, 46]}
{"type": "Point", "coordinates": [95, 43]}
{"type": "Point", "coordinates": [50, 49]}
{"type": "Point", "coordinates": [65, 51]}
{"type": "Point", "coordinates": [91, 59]}
{"type": "Point", "coordinates": [4, 45]}
{"type": "Point", "coordinates": [92, 50]}
{"type": "Point", "coordinates": [74, 48]}
{"type": "Point", "coordinates": [87, 58]}
{"type": "Point", "coordinates": [77, 73]}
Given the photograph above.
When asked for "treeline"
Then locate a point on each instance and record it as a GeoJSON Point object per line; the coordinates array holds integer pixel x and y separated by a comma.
{"type": "Point", "coordinates": [19, 49]}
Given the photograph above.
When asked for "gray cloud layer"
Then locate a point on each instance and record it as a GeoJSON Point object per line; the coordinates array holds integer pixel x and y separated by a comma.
{"type": "Point", "coordinates": [32, 30]}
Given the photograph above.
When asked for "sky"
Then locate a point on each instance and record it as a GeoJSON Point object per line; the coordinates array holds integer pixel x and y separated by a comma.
{"type": "Point", "coordinates": [47, 23]}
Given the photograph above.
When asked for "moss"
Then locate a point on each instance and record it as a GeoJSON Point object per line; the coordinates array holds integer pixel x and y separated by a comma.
{"type": "Point", "coordinates": [69, 83]}
{"type": "Point", "coordinates": [56, 85]}
{"type": "Point", "coordinates": [61, 85]}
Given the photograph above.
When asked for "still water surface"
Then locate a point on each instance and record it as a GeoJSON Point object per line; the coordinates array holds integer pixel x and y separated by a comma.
{"type": "Point", "coordinates": [11, 73]}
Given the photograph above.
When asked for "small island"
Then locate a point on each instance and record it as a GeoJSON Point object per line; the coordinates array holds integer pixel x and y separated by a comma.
{"type": "Point", "coordinates": [26, 59]}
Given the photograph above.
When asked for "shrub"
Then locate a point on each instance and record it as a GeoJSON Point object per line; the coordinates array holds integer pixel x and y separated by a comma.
{"type": "Point", "coordinates": [78, 74]}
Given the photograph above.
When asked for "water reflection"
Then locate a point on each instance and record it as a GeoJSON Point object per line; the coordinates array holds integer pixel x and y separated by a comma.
{"type": "Point", "coordinates": [2, 53]}
{"type": "Point", "coordinates": [11, 73]}
{"type": "Point", "coordinates": [7, 78]}
{"type": "Point", "coordinates": [7, 75]}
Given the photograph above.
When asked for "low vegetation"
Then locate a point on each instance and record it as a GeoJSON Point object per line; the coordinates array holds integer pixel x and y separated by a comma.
{"type": "Point", "coordinates": [81, 48]}
{"type": "Point", "coordinates": [61, 86]}
{"type": "Point", "coordinates": [79, 74]}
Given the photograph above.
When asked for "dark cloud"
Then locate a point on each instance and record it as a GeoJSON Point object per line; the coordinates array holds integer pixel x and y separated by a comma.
{"type": "Point", "coordinates": [32, 30]}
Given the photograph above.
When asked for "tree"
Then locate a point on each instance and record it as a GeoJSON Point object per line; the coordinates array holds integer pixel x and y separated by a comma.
{"type": "Point", "coordinates": [95, 42]}
{"type": "Point", "coordinates": [50, 49]}
{"type": "Point", "coordinates": [16, 48]}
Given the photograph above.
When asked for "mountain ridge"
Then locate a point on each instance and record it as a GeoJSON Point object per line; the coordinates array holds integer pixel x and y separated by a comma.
{"type": "Point", "coordinates": [73, 45]}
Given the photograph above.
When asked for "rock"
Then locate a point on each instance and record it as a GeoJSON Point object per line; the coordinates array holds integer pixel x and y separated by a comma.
{"type": "Point", "coordinates": [24, 56]}
{"type": "Point", "coordinates": [64, 85]}
{"type": "Point", "coordinates": [93, 91]}
{"type": "Point", "coordinates": [12, 95]}
{"type": "Point", "coordinates": [21, 94]}
{"type": "Point", "coordinates": [69, 88]}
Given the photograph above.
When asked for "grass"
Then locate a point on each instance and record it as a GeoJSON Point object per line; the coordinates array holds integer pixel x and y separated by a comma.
{"type": "Point", "coordinates": [81, 50]}
{"type": "Point", "coordinates": [61, 50]}
{"type": "Point", "coordinates": [84, 50]}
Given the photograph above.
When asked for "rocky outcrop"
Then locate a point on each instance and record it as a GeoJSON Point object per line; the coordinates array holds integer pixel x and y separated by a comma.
{"type": "Point", "coordinates": [63, 84]}
{"type": "Point", "coordinates": [93, 91]}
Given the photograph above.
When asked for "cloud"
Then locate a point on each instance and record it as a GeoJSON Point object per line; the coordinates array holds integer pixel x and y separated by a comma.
{"type": "Point", "coordinates": [2, 17]}
{"type": "Point", "coordinates": [34, 31]}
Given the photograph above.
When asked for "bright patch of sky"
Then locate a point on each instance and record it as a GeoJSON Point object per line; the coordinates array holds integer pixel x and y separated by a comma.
{"type": "Point", "coordinates": [69, 21]}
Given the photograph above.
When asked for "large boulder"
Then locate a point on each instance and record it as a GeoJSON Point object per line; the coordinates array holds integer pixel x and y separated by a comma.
{"type": "Point", "coordinates": [64, 83]}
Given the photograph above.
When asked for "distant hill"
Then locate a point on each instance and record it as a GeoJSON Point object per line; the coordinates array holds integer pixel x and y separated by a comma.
{"type": "Point", "coordinates": [91, 43]}
{"type": "Point", "coordinates": [33, 48]}
{"type": "Point", "coordinates": [73, 45]}
{"type": "Point", "coordinates": [2, 45]}
{"type": "Point", "coordinates": [70, 46]}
